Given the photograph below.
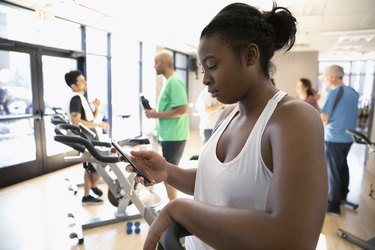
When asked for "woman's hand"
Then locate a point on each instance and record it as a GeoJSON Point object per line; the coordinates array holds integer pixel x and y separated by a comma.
{"type": "Point", "coordinates": [151, 164]}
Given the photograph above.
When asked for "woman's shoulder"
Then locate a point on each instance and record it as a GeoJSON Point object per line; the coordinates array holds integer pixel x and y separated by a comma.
{"type": "Point", "coordinates": [293, 109]}
{"type": "Point", "coordinates": [293, 116]}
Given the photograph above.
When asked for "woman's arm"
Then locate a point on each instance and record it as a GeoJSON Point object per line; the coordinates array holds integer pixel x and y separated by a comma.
{"type": "Point", "coordinates": [182, 179]}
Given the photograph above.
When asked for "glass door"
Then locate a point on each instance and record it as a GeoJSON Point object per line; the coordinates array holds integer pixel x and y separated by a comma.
{"type": "Point", "coordinates": [33, 61]}
{"type": "Point", "coordinates": [56, 95]}
{"type": "Point", "coordinates": [31, 83]}
{"type": "Point", "coordinates": [17, 128]}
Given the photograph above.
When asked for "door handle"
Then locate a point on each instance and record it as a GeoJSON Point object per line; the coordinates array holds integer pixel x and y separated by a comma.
{"type": "Point", "coordinates": [38, 114]}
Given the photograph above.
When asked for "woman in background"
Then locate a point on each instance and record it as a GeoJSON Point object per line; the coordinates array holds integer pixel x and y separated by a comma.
{"type": "Point", "coordinates": [306, 93]}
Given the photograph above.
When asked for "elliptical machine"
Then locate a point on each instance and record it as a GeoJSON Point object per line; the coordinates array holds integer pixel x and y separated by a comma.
{"type": "Point", "coordinates": [369, 244]}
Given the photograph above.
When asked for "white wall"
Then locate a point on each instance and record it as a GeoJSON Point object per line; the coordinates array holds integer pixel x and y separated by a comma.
{"type": "Point", "coordinates": [292, 66]}
{"type": "Point", "coordinates": [195, 87]}
{"type": "Point", "coordinates": [149, 82]}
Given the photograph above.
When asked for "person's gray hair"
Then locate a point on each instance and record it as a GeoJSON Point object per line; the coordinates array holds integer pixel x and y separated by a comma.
{"type": "Point", "coordinates": [337, 70]}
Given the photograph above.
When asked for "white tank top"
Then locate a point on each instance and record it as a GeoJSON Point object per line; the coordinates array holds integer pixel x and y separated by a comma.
{"type": "Point", "coordinates": [240, 183]}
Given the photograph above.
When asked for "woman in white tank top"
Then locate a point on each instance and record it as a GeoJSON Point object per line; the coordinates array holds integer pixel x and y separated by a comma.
{"type": "Point", "coordinates": [261, 181]}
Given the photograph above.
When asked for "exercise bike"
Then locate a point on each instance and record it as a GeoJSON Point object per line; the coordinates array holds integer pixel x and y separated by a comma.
{"type": "Point", "coordinates": [369, 244]}
{"type": "Point", "coordinates": [77, 137]}
{"type": "Point", "coordinates": [59, 116]}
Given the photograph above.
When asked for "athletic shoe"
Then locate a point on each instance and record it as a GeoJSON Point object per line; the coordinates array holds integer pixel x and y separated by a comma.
{"type": "Point", "coordinates": [89, 200]}
{"type": "Point", "coordinates": [97, 191]}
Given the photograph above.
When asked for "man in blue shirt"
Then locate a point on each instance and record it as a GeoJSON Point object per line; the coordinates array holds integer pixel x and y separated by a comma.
{"type": "Point", "coordinates": [337, 118]}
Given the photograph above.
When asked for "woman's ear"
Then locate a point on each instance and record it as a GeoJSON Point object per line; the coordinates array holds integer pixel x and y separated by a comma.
{"type": "Point", "coordinates": [251, 54]}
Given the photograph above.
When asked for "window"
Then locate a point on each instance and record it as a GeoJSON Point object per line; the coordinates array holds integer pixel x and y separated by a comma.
{"type": "Point", "coordinates": [360, 76]}
{"type": "Point", "coordinates": [53, 32]}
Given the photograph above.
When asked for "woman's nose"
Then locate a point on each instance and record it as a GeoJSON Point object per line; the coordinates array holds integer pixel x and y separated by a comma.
{"type": "Point", "coordinates": [206, 79]}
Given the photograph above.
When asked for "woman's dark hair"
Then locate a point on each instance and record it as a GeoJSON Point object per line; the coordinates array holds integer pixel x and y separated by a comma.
{"type": "Point", "coordinates": [307, 84]}
{"type": "Point", "coordinates": [239, 24]}
{"type": "Point", "coordinates": [71, 77]}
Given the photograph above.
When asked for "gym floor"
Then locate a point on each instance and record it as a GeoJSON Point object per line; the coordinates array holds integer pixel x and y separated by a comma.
{"type": "Point", "coordinates": [34, 213]}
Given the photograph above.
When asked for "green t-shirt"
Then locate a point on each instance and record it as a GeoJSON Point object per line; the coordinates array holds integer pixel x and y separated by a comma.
{"type": "Point", "coordinates": [172, 95]}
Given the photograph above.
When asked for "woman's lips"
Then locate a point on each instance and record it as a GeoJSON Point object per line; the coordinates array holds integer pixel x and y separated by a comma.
{"type": "Point", "coordinates": [214, 93]}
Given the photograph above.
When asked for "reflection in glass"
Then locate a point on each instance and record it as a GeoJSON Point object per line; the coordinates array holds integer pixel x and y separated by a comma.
{"type": "Point", "coordinates": [17, 142]}
{"type": "Point", "coordinates": [16, 135]}
{"type": "Point", "coordinates": [15, 83]}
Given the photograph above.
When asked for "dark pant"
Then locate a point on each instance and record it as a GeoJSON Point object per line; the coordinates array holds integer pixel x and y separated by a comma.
{"type": "Point", "coordinates": [338, 172]}
{"type": "Point", "coordinates": [173, 150]}
{"type": "Point", "coordinates": [89, 167]}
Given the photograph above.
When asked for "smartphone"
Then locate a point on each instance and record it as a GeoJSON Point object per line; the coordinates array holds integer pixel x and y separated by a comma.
{"type": "Point", "coordinates": [127, 157]}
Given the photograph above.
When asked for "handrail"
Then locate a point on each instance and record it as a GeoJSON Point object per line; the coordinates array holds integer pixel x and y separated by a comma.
{"type": "Point", "coordinates": [17, 117]}
{"type": "Point", "coordinates": [358, 137]}
{"type": "Point", "coordinates": [83, 142]}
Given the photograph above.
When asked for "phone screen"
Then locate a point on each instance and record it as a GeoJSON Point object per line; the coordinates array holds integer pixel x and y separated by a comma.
{"type": "Point", "coordinates": [127, 157]}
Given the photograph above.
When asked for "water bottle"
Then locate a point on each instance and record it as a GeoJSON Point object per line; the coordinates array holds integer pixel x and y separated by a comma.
{"type": "Point", "coordinates": [104, 120]}
{"type": "Point", "coordinates": [145, 103]}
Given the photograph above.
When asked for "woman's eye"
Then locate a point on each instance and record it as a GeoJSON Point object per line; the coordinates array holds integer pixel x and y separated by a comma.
{"type": "Point", "coordinates": [211, 67]}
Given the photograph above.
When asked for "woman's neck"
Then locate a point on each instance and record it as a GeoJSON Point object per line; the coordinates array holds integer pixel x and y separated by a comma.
{"type": "Point", "coordinates": [302, 96]}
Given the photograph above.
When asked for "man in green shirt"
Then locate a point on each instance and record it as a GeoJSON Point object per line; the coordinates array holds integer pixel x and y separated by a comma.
{"type": "Point", "coordinates": [172, 124]}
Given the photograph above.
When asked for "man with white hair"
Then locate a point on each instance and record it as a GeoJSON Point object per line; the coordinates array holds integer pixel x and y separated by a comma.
{"type": "Point", "coordinates": [339, 113]}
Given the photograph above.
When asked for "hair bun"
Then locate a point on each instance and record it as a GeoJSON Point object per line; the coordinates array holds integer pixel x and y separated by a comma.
{"type": "Point", "coordinates": [284, 25]}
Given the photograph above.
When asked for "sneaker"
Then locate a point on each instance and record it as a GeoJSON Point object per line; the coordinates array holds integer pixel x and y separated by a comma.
{"type": "Point", "coordinates": [89, 200]}
{"type": "Point", "coordinates": [97, 191]}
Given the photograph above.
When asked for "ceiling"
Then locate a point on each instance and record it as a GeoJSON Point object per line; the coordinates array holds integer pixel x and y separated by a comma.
{"type": "Point", "coordinates": [337, 29]}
